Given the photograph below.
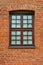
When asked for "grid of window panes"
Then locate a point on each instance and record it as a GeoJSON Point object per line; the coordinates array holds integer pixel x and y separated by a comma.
{"type": "Point", "coordinates": [15, 37]}
{"type": "Point", "coordinates": [27, 37]}
{"type": "Point", "coordinates": [16, 21]}
{"type": "Point", "coordinates": [24, 22]}
{"type": "Point", "coordinates": [27, 21]}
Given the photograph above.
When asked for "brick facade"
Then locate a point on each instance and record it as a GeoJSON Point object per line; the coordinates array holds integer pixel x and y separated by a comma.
{"type": "Point", "coordinates": [21, 56]}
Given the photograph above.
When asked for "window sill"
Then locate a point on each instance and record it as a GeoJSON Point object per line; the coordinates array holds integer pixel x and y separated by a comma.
{"type": "Point", "coordinates": [21, 47]}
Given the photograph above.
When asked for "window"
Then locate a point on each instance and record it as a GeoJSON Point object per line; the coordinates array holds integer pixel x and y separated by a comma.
{"type": "Point", "coordinates": [21, 29]}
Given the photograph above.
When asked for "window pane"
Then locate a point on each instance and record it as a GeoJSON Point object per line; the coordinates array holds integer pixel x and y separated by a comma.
{"type": "Point", "coordinates": [18, 17]}
{"type": "Point", "coordinates": [13, 33]}
{"type": "Point", "coordinates": [18, 26]}
{"type": "Point", "coordinates": [24, 42]}
{"type": "Point", "coordinates": [30, 33]}
{"type": "Point", "coordinates": [18, 37]}
{"type": "Point", "coordinates": [18, 32]}
{"type": "Point", "coordinates": [29, 21]}
{"type": "Point", "coordinates": [13, 17]}
{"type": "Point", "coordinates": [29, 37]}
{"type": "Point", "coordinates": [24, 21]}
{"type": "Point", "coordinates": [12, 42]}
{"type": "Point", "coordinates": [13, 26]}
{"type": "Point", "coordinates": [18, 21]}
{"type": "Point", "coordinates": [13, 37]}
{"type": "Point", "coordinates": [29, 42]}
{"type": "Point", "coordinates": [29, 25]}
{"type": "Point", "coordinates": [24, 33]}
{"type": "Point", "coordinates": [24, 25]}
{"type": "Point", "coordinates": [18, 42]}
{"type": "Point", "coordinates": [24, 17]}
{"type": "Point", "coordinates": [30, 17]}
{"type": "Point", "coordinates": [25, 37]}
{"type": "Point", "coordinates": [13, 21]}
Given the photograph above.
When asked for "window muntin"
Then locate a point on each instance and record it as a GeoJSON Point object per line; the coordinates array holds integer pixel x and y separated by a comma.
{"type": "Point", "coordinates": [21, 30]}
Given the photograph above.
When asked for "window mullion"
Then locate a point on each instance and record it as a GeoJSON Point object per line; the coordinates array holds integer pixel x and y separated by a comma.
{"type": "Point", "coordinates": [21, 30]}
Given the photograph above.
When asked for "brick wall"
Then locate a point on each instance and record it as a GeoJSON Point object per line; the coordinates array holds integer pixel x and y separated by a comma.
{"type": "Point", "coordinates": [21, 56]}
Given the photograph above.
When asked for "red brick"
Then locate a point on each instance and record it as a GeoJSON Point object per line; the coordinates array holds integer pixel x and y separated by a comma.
{"type": "Point", "coordinates": [21, 56]}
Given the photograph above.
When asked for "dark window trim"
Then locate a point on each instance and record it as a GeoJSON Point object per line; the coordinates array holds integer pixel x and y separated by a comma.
{"type": "Point", "coordinates": [26, 13]}
{"type": "Point", "coordinates": [31, 12]}
{"type": "Point", "coordinates": [21, 47]}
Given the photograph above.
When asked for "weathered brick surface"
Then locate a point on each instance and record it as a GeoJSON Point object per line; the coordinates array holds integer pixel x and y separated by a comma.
{"type": "Point", "coordinates": [21, 56]}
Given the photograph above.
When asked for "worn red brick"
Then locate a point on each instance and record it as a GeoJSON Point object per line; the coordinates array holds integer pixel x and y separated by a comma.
{"type": "Point", "coordinates": [21, 56]}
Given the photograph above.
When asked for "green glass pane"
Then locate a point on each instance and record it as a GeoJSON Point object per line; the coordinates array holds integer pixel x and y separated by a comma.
{"type": "Point", "coordinates": [24, 42]}
{"type": "Point", "coordinates": [29, 25]}
{"type": "Point", "coordinates": [29, 21]}
{"type": "Point", "coordinates": [24, 25]}
{"type": "Point", "coordinates": [24, 17]}
{"type": "Point", "coordinates": [25, 37]}
{"type": "Point", "coordinates": [24, 21]}
{"type": "Point", "coordinates": [13, 17]}
{"type": "Point", "coordinates": [18, 37]}
{"type": "Point", "coordinates": [13, 37]}
{"type": "Point", "coordinates": [18, 32]}
{"type": "Point", "coordinates": [13, 33]}
{"type": "Point", "coordinates": [18, 17]}
{"type": "Point", "coordinates": [13, 21]}
{"type": "Point", "coordinates": [18, 42]}
{"type": "Point", "coordinates": [13, 25]}
{"type": "Point", "coordinates": [12, 42]}
{"type": "Point", "coordinates": [29, 42]}
{"type": "Point", "coordinates": [29, 37]}
{"type": "Point", "coordinates": [29, 32]}
{"type": "Point", "coordinates": [18, 21]}
{"type": "Point", "coordinates": [29, 16]}
{"type": "Point", "coordinates": [18, 26]}
{"type": "Point", "coordinates": [25, 33]}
